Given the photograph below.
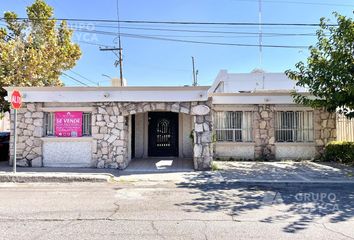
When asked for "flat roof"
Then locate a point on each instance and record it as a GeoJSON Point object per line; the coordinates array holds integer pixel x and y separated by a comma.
{"type": "Point", "coordinates": [110, 88]}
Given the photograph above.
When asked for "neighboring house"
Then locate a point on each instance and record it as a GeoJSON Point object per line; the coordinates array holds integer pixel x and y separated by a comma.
{"type": "Point", "coordinates": [241, 116]}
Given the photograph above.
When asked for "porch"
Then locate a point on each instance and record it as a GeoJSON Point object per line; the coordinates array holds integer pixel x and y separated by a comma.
{"type": "Point", "coordinates": [160, 164]}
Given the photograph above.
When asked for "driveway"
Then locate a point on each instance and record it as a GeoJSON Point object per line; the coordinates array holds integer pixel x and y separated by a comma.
{"type": "Point", "coordinates": [286, 171]}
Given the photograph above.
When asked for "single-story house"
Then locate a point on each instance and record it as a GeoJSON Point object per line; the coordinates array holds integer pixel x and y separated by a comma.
{"type": "Point", "coordinates": [240, 116]}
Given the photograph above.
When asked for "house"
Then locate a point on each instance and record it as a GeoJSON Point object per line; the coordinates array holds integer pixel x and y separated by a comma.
{"type": "Point", "coordinates": [241, 116]}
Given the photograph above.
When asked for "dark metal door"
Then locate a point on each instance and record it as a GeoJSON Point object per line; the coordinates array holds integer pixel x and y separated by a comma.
{"type": "Point", "coordinates": [163, 134]}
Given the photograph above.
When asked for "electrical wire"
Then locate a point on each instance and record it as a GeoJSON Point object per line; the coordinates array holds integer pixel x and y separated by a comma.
{"type": "Point", "coordinates": [76, 80]}
{"type": "Point", "coordinates": [172, 22]}
{"type": "Point", "coordinates": [78, 74]}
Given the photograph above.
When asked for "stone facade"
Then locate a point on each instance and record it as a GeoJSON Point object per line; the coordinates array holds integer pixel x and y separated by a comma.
{"type": "Point", "coordinates": [325, 129]}
{"type": "Point", "coordinates": [263, 132]}
{"type": "Point", "coordinates": [203, 151]}
{"type": "Point", "coordinates": [203, 147]}
{"type": "Point", "coordinates": [110, 132]}
{"type": "Point", "coordinates": [30, 121]}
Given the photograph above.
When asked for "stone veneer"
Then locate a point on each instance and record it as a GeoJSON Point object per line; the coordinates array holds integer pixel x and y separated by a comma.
{"type": "Point", "coordinates": [264, 131]}
{"type": "Point", "coordinates": [325, 129]}
{"type": "Point", "coordinates": [30, 121]}
{"type": "Point", "coordinates": [110, 132]}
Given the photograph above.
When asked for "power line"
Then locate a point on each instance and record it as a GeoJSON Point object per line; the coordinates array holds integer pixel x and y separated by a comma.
{"type": "Point", "coordinates": [246, 34]}
{"type": "Point", "coordinates": [216, 43]}
{"type": "Point", "coordinates": [78, 74]}
{"type": "Point", "coordinates": [175, 22]}
{"type": "Point", "coordinates": [198, 42]}
{"type": "Point", "coordinates": [76, 80]}
{"type": "Point", "coordinates": [305, 3]}
{"type": "Point", "coordinates": [207, 31]}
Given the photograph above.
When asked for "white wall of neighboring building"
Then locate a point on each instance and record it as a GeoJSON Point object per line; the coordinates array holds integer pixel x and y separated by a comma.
{"type": "Point", "coordinates": [256, 80]}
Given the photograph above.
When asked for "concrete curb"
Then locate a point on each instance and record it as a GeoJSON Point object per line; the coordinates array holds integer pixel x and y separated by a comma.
{"type": "Point", "coordinates": [54, 177]}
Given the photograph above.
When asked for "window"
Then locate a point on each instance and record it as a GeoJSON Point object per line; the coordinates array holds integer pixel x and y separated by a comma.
{"type": "Point", "coordinates": [49, 124]}
{"type": "Point", "coordinates": [86, 124]}
{"type": "Point", "coordinates": [294, 126]}
{"type": "Point", "coordinates": [233, 126]}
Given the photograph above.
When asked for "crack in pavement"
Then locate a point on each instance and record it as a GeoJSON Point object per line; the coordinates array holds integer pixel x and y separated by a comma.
{"type": "Point", "coordinates": [333, 231]}
{"type": "Point", "coordinates": [156, 230]}
{"type": "Point", "coordinates": [115, 211]}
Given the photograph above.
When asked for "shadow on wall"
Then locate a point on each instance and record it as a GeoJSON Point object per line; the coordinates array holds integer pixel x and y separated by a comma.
{"type": "Point", "coordinates": [296, 205]}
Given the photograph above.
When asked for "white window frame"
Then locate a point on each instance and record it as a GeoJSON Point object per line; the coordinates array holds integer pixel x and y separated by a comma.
{"type": "Point", "coordinates": [294, 126]}
{"type": "Point", "coordinates": [233, 126]}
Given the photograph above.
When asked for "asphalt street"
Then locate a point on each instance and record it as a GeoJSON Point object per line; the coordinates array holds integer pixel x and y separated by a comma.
{"type": "Point", "coordinates": [167, 210]}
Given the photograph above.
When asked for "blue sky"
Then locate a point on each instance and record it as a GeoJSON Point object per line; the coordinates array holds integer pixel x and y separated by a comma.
{"type": "Point", "coordinates": [152, 62]}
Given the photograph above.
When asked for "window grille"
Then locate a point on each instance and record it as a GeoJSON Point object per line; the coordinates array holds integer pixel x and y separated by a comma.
{"type": "Point", "coordinates": [234, 126]}
{"type": "Point", "coordinates": [86, 124]}
{"type": "Point", "coordinates": [294, 126]}
{"type": "Point", "coordinates": [49, 124]}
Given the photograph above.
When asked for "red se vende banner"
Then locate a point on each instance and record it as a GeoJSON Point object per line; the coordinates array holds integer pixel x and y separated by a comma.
{"type": "Point", "coordinates": [68, 124]}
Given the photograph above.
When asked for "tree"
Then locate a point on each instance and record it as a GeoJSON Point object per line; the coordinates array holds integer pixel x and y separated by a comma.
{"type": "Point", "coordinates": [35, 51]}
{"type": "Point", "coordinates": [329, 72]}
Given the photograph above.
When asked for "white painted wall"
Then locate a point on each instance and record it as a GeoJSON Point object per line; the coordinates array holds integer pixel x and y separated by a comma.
{"type": "Point", "coordinates": [185, 128]}
{"type": "Point", "coordinates": [294, 151]}
{"type": "Point", "coordinates": [111, 94]}
{"type": "Point", "coordinates": [255, 80]}
{"type": "Point", "coordinates": [71, 153]}
{"type": "Point", "coordinates": [238, 151]}
{"type": "Point", "coordinates": [139, 135]}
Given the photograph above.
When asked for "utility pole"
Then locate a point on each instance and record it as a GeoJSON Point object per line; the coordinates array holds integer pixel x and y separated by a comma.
{"type": "Point", "coordinates": [119, 49]}
{"type": "Point", "coordinates": [195, 83]}
{"type": "Point", "coordinates": [260, 40]}
{"type": "Point", "coordinates": [119, 61]}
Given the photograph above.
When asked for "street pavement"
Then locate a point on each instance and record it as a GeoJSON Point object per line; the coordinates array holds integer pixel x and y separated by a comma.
{"type": "Point", "coordinates": [188, 209]}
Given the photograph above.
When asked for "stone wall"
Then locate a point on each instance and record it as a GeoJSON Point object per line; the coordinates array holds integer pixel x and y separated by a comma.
{"type": "Point", "coordinates": [30, 122]}
{"type": "Point", "coordinates": [203, 147]}
{"type": "Point", "coordinates": [203, 150]}
{"type": "Point", "coordinates": [110, 132]}
{"type": "Point", "coordinates": [325, 129]}
{"type": "Point", "coordinates": [263, 132]}
{"type": "Point", "coordinates": [265, 146]}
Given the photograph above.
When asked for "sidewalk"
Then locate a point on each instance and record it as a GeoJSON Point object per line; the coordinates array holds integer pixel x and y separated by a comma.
{"type": "Point", "coordinates": [286, 172]}
{"type": "Point", "coordinates": [64, 175]}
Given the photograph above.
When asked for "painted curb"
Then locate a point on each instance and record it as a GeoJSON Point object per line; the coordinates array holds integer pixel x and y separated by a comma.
{"type": "Point", "coordinates": [32, 178]}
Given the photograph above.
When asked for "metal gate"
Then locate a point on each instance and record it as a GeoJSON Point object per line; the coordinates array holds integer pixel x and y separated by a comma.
{"type": "Point", "coordinates": [163, 134]}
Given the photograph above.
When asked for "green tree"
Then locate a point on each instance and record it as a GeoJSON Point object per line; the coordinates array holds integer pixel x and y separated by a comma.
{"type": "Point", "coordinates": [329, 72]}
{"type": "Point", "coordinates": [35, 51]}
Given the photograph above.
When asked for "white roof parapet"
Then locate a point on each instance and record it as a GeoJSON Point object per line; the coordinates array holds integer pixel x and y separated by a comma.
{"type": "Point", "coordinates": [260, 97]}
{"type": "Point", "coordinates": [112, 94]}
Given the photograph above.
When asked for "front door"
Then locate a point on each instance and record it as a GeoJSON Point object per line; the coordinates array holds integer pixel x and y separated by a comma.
{"type": "Point", "coordinates": [163, 134]}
